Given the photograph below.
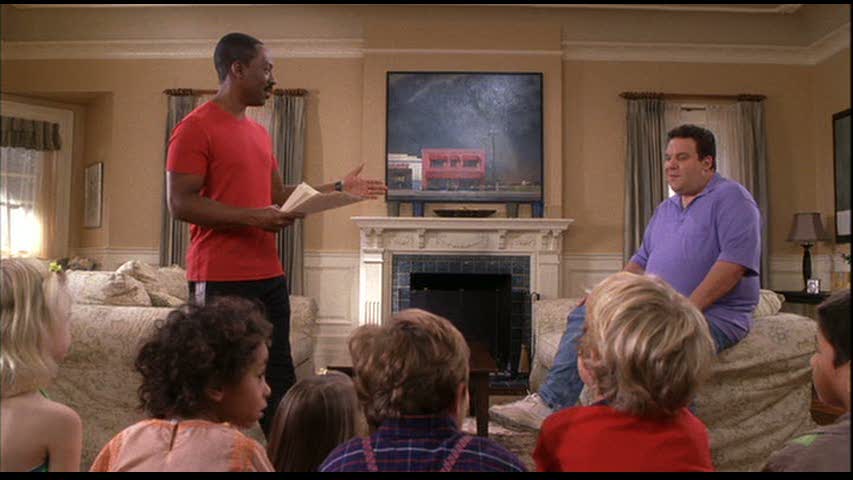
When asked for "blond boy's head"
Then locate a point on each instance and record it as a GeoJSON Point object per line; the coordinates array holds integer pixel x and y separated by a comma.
{"type": "Point", "coordinates": [646, 348]}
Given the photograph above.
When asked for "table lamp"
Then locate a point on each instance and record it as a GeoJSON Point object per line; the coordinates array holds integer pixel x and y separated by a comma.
{"type": "Point", "coordinates": [807, 229]}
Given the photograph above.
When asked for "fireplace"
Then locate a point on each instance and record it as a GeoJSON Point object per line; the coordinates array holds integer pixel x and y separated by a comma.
{"type": "Point", "coordinates": [528, 250]}
{"type": "Point", "coordinates": [486, 297]}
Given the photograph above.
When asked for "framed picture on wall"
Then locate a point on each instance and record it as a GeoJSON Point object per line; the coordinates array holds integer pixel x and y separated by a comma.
{"type": "Point", "coordinates": [841, 150]}
{"type": "Point", "coordinates": [93, 187]}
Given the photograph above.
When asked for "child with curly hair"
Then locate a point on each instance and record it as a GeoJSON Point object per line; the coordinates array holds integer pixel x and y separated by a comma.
{"type": "Point", "coordinates": [202, 379]}
{"type": "Point", "coordinates": [36, 434]}
{"type": "Point", "coordinates": [316, 415]}
{"type": "Point", "coordinates": [644, 353]}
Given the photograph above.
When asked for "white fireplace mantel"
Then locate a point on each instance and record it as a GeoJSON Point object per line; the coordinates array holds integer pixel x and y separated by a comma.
{"type": "Point", "coordinates": [383, 237]}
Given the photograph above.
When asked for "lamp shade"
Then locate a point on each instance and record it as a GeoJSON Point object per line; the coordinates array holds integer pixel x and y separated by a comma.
{"type": "Point", "coordinates": [807, 228]}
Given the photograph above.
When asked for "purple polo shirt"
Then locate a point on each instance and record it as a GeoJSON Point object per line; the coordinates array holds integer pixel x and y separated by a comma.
{"type": "Point", "coordinates": [682, 244]}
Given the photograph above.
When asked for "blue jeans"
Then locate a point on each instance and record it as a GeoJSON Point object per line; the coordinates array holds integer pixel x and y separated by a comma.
{"type": "Point", "coordinates": [563, 386]}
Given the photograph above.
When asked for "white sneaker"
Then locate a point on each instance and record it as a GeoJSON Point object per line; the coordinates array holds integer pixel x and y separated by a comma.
{"type": "Point", "coordinates": [527, 413]}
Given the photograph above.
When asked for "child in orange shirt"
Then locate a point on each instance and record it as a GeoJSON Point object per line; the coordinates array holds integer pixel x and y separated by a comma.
{"type": "Point", "coordinates": [202, 379]}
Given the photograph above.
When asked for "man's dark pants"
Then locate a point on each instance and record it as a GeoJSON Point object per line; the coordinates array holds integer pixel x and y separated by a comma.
{"type": "Point", "coordinates": [273, 294]}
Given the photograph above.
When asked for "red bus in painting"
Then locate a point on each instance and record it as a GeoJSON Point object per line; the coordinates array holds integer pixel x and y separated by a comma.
{"type": "Point", "coordinates": [453, 168]}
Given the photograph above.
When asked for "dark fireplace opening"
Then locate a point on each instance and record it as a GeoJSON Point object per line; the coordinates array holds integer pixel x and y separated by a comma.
{"type": "Point", "coordinates": [479, 305]}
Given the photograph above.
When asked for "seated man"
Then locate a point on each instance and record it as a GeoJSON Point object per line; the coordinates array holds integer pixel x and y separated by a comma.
{"type": "Point", "coordinates": [705, 241]}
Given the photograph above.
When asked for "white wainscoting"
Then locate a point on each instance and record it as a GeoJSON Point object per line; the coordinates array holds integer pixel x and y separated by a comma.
{"type": "Point", "coordinates": [331, 278]}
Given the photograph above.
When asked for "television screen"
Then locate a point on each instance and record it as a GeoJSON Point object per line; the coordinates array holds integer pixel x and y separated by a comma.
{"type": "Point", "coordinates": [464, 137]}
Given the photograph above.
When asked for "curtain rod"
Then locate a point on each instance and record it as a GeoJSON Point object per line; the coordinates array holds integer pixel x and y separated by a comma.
{"type": "Point", "coordinates": [186, 92]}
{"type": "Point", "coordinates": [743, 97]}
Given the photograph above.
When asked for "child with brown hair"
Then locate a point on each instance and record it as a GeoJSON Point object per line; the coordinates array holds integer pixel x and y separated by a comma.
{"type": "Point", "coordinates": [826, 449]}
{"type": "Point", "coordinates": [644, 352]}
{"type": "Point", "coordinates": [411, 377]}
{"type": "Point", "coordinates": [316, 415]}
{"type": "Point", "coordinates": [36, 434]}
{"type": "Point", "coordinates": [202, 379]}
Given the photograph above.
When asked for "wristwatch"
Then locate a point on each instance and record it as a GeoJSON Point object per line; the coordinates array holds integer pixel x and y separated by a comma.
{"type": "Point", "coordinates": [339, 186]}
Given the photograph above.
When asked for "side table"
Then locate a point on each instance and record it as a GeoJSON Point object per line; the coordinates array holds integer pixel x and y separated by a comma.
{"type": "Point", "coordinates": [802, 303]}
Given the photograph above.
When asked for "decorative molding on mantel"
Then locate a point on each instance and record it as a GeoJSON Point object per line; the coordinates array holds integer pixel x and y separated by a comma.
{"type": "Point", "coordinates": [813, 54]}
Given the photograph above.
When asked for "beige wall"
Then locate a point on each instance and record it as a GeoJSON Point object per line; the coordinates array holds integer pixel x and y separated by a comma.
{"type": "Point", "coordinates": [831, 93]}
{"type": "Point", "coordinates": [584, 119]}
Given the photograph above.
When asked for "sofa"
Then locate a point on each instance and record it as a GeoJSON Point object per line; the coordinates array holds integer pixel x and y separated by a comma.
{"type": "Point", "coordinates": [760, 390]}
{"type": "Point", "coordinates": [112, 313]}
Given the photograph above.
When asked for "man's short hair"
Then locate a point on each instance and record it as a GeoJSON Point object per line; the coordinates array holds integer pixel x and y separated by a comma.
{"type": "Point", "coordinates": [645, 345]}
{"type": "Point", "coordinates": [234, 47]}
{"type": "Point", "coordinates": [833, 319]}
{"type": "Point", "coordinates": [411, 366]}
{"type": "Point", "coordinates": [706, 146]}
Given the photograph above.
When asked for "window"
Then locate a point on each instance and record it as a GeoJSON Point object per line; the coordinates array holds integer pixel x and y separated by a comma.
{"type": "Point", "coordinates": [35, 189]}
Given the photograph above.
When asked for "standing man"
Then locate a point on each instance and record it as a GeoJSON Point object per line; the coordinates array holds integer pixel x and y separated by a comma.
{"type": "Point", "coordinates": [223, 178]}
{"type": "Point", "coordinates": [705, 241]}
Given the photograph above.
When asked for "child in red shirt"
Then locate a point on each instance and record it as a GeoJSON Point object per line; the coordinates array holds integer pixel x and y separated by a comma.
{"type": "Point", "coordinates": [643, 355]}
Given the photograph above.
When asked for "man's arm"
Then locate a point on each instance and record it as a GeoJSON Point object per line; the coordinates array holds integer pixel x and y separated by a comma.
{"type": "Point", "coordinates": [353, 183]}
{"type": "Point", "coordinates": [186, 203]}
{"type": "Point", "coordinates": [720, 280]}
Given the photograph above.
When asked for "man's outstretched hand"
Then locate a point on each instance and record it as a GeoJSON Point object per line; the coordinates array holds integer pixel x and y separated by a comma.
{"type": "Point", "coordinates": [362, 187]}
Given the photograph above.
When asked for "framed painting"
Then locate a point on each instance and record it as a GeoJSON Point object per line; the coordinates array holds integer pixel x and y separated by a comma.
{"type": "Point", "coordinates": [93, 195]}
{"type": "Point", "coordinates": [841, 150]}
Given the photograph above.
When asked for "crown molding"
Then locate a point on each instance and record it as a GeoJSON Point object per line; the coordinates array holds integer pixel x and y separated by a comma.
{"type": "Point", "coordinates": [785, 8]}
{"type": "Point", "coordinates": [820, 50]}
{"type": "Point", "coordinates": [172, 49]}
{"type": "Point", "coordinates": [813, 54]}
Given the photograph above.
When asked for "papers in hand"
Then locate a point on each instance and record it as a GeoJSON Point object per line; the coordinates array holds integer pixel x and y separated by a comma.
{"type": "Point", "coordinates": [305, 199]}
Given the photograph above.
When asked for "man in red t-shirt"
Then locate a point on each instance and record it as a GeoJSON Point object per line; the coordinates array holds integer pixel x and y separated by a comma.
{"type": "Point", "coordinates": [223, 178]}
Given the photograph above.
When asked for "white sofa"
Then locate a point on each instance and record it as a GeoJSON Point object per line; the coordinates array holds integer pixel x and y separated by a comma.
{"type": "Point", "coordinates": [111, 315]}
{"type": "Point", "coordinates": [760, 390]}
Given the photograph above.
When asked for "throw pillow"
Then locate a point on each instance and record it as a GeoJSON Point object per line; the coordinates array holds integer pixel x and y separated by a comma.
{"type": "Point", "coordinates": [769, 303]}
{"type": "Point", "coordinates": [106, 288]}
{"type": "Point", "coordinates": [167, 286]}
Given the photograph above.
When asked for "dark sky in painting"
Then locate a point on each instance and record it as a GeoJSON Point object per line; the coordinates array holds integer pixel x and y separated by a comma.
{"type": "Point", "coordinates": [463, 110]}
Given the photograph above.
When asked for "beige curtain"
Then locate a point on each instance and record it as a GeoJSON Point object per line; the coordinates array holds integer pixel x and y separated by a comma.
{"type": "Point", "coordinates": [645, 185]}
{"type": "Point", "coordinates": [289, 141]}
{"type": "Point", "coordinates": [175, 234]}
{"type": "Point", "coordinates": [753, 150]}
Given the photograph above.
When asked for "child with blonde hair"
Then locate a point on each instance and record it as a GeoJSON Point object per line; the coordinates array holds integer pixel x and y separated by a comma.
{"type": "Point", "coordinates": [36, 434]}
{"type": "Point", "coordinates": [202, 380]}
{"type": "Point", "coordinates": [316, 415]}
{"type": "Point", "coordinates": [411, 377]}
{"type": "Point", "coordinates": [643, 355]}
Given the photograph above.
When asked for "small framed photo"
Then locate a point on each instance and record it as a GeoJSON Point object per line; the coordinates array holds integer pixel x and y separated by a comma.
{"type": "Point", "coordinates": [813, 286]}
{"type": "Point", "coordinates": [92, 194]}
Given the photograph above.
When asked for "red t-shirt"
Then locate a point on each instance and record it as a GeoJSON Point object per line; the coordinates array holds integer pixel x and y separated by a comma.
{"type": "Point", "coordinates": [601, 438]}
{"type": "Point", "coordinates": [236, 160]}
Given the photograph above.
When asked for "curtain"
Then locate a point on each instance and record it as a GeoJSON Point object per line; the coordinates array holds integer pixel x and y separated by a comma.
{"type": "Point", "coordinates": [289, 140]}
{"type": "Point", "coordinates": [31, 134]}
{"type": "Point", "coordinates": [27, 202]}
{"type": "Point", "coordinates": [753, 151]}
{"type": "Point", "coordinates": [645, 185]}
{"type": "Point", "coordinates": [175, 234]}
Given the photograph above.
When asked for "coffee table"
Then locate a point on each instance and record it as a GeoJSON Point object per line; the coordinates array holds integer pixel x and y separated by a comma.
{"type": "Point", "coordinates": [481, 364]}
